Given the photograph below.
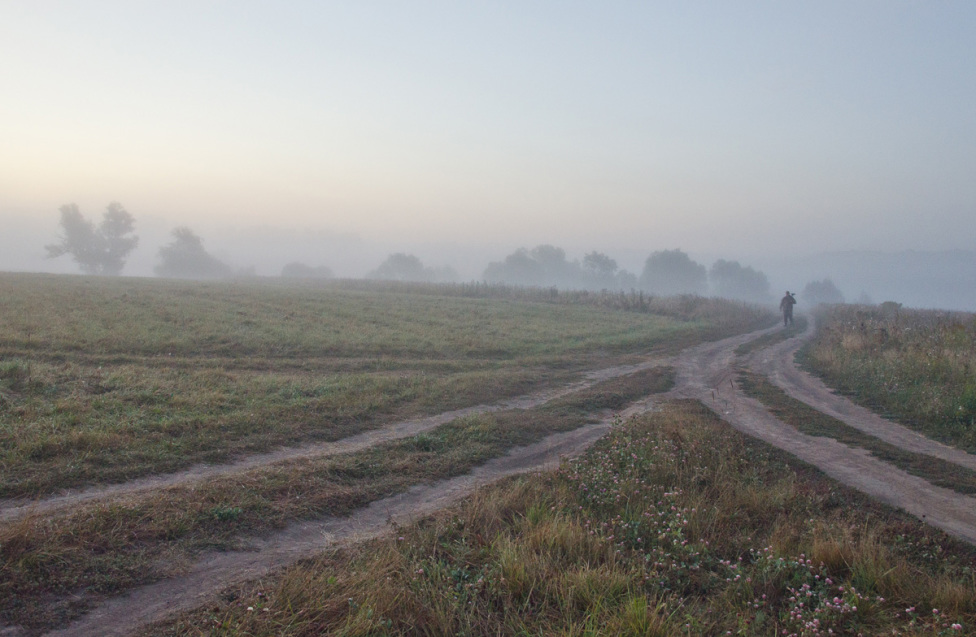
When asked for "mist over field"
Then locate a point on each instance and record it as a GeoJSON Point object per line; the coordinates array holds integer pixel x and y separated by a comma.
{"type": "Point", "coordinates": [801, 143]}
{"type": "Point", "coordinates": [925, 279]}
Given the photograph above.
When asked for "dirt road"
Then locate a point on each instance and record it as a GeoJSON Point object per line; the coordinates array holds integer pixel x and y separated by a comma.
{"type": "Point", "coordinates": [706, 373]}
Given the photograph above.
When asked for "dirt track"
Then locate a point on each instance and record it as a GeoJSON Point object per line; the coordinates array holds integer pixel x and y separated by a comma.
{"type": "Point", "coordinates": [13, 509]}
{"type": "Point", "coordinates": [706, 372]}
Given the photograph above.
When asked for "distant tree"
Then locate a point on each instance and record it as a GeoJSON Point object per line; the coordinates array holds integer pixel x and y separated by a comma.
{"type": "Point", "coordinates": [625, 280]}
{"type": "Point", "coordinates": [599, 264]}
{"type": "Point", "coordinates": [100, 250]}
{"type": "Point", "coordinates": [556, 269]}
{"type": "Point", "coordinates": [298, 270]}
{"type": "Point", "coordinates": [186, 258]}
{"type": "Point", "coordinates": [401, 267]}
{"type": "Point", "coordinates": [817, 292]}
{"type": "Point", "coordinates": [519, 268]}
{"type": "Point", "coordinates": [731, 280]}
{"type": "Point", "coordinates": [599, 270]}
{"type": "Point", "coordinates": [547, 265]}
{"type": "Point", "coordinates": [671, 272]}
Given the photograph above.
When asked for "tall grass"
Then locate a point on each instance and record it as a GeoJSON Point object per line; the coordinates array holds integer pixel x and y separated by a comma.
{"type": "Point", "coordinates": [673, 525]}
{"type": "Point", "coordinates": [914, 365]}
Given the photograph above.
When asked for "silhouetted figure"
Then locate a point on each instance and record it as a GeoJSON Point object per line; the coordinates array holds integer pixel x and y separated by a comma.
{"type": "Point", "coordinates": [786, 306]}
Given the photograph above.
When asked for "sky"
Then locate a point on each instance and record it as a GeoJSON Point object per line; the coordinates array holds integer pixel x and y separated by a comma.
{"type": "Point", "coordinates": [726, 129]}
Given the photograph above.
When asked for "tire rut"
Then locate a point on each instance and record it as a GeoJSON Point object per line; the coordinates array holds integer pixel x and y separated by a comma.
{"type": "Point", "coordinates": [13, 509]}
{"type": "Point", "coordinates": [217, 571]}
{"type": "Point", "coordinates": [776, 363]}
{"type": "Point", "coordinates": [705, 372]}
{"type": "Point", "coordinates": [711, 369]}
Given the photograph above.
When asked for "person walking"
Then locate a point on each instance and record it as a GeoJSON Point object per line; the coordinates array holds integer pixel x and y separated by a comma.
{"type": "Point", "coordinates": [786, 307]}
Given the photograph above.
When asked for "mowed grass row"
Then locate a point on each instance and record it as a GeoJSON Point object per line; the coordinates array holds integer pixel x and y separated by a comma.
{"type": "Point", "coordinates": [54, 567]}
{"type": "Point", "coordinates": [103, 380]}
{"type": "Point", "coordinates": [916, 366]}
{"type": "Point", "coordinates": [809, 421]}
{"type": "Point", "coordinates": [674, 524]}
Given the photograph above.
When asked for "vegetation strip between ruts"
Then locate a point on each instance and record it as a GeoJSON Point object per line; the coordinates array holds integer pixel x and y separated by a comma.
{"type": "Point", "coordinates": [673, 524]}
{"type": "Point", "coordinates": [809, 421]}
{"type": "Point", "coordinates": [915, 366]}
{"type": "Point", "coordinates": [104, 549]}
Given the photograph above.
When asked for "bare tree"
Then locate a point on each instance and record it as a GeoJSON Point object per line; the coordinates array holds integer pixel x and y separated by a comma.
{"type": "Point", "coordinates": [100, 250]}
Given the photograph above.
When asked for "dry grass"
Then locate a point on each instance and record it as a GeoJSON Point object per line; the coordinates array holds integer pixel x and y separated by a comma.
{"type": "Point", "coordinates": [659, 530]}
{"type": "Point", "coordinates": [913, 365]}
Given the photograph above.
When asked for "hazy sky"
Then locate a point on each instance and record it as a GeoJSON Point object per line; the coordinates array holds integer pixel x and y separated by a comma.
{"type": "Point", "coordinates": [716, 127]}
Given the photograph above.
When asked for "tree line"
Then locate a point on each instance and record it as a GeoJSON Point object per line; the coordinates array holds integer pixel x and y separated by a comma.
{"type": "Point", "coordinates": [103, 249]}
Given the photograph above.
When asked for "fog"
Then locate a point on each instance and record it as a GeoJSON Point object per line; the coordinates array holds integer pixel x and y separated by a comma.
{"type": "Point", "coordinates": [926, 279]}
{"type": "Point", "coordinates": [804, 141]}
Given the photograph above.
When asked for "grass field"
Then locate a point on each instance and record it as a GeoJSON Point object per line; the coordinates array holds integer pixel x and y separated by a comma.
{"type": "Point", "coordinates": [105, 548]}
{"type": "Point", "coordinates": [674, 524]}
{"type": "Point", "coordinates": [918, 367]}
{"type": "Point", "coordinates": [103, 380]}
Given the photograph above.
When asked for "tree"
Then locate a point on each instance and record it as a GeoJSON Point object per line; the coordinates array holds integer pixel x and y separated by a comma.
{"type": "Point", "coordinates": [599, 270]}
{"type": "Point", "coordinates": [671, 272]}
{"type": "Point", "coordinates": [518, 268]}
{"type": "Point", "coordinates": [100, 250]}
{"type": "Point", "coordinates": [731, 280]}
{"type": "Point", "coordinates": [556, 270]}
{"type": "Point", "coordinates": [816, 292]}
{"type": "Point", "coordinates": [402, 267]}
{"type": "Point", "coordinates": [186, 258]}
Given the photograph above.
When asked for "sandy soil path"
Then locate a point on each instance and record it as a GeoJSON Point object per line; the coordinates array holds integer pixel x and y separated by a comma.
{"type": "Point", "coordinates": [777, 363]}
{"type": "Point", "coordinates": [706, 373]}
